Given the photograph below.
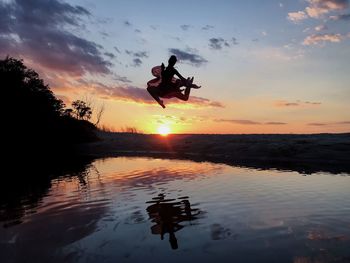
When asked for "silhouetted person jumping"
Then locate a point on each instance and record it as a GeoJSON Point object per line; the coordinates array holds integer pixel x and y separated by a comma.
{"type": "Point", "coordinates": [166, 86]}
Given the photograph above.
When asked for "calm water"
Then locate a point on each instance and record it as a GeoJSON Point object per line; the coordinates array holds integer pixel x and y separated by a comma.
{"type": "Point", "coordinates": [153, 210]}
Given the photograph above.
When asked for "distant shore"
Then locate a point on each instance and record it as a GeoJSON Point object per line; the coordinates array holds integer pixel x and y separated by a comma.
{"type": "Point", "coordinates": [306, 154]}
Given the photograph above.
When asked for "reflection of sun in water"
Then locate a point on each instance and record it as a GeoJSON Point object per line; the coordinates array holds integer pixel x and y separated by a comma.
{"type": "Point", "coordinates": [163, 130]}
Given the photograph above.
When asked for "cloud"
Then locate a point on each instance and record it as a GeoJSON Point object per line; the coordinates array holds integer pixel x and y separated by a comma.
{"type": "Point", "coordinates": [275, 123]}
{"type": "Point", "coordinates": [141, 54]}
{"type": "Point", "coordinates": [141, 96]}
{"type": "Point", "coordinates": [137, 62]}
{"type": "Point", "coordinates": [312, 102]}
{"type": "Point", "coordinates": [172, 119]}
{"type": "Point", "coordinates": [297, 16]}
{"type": "Point", "coordinates": [250, 122]}
{"type": "Point", "coordinates": [189, 57]}
{"type": "Point", "coordinates": [220, 43]}
{"type": "Point", "coordinates": [340, 17]}
{"type": "Point", "coordinates": [127, 23]}
{"type": "Point", "coordinates": [234, 41]}
{"type": "Point", "coordinates": [207, 27]}
{"type": "Point", "coordinates": [217, 43]}
{"type": "Point", "coordinates": [317, 9]}
{"type": "Point", "coordinates": [317, 124]}
{"type": "Point", "coordinates": [109, 54]}
{"type": "Point", "coordinates": [322, 38]}
{"type": "Point", "coordinates": [243, 122]}
{"type": "Point", "coordinates": [185, 27]}
{"type": "Point", "coordinates": [298, 103]}
{"type": "Point", "coordinates": [37, 30]}
{"type": "Point", "coordinates": [121, 78]}
{"type": "Point", "coordinates": [137, 57]}
{"type": "Point", "coordinates": [321, 28]}
{"type": "Point", "coordinates": [329, 123]}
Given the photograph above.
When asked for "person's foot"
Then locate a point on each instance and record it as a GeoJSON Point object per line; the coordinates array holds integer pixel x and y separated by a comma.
{"type": "Point", "coordinates": [161, 104]}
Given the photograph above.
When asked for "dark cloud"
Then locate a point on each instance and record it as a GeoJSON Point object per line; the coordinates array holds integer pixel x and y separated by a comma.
{"type": "Point", "coordinates": [275, 123]}
{"type": "Point", "coordinates": [185, 27]}
{"type": "Point", "coordinates": [189, 57]}
{"type": "Point", "coordinates": [220, 43]}
{"type": "Point", "coordinates": [317, 124]}
{"type": "Point", "coordinates": [138, 31]}
{"type": "Point", "coordinates": [141, 54]}
{"type": "Point", "coordinates": [127, 23]}
{"type": "Point", "coordinates": [207, 27]}
{"type": "Point", "coordinates": [36, 29]}
{"type": "Point", "coordinates": [341, 17]}
{"type": "Point", "coordinates": [137, 62]}
{"type": "Point", "coordinates": [139, 95]}
{"type": "Point", "coordinates": [312, 103]}
{"type": "Point", "coordinates": [291, 104]}
{"type": "Point", "coordinates": [104, 34]}
{"type": "Point", "coordinates": [234, 41]}
{"type": "Point", "coordinates": [121, 78]}
{"type": "Point", "coordinates": [243, 122]}
{"type": "Point", "coordinates": [250, 122]}
{"type": "Point", "coordinates": [329, 123]}
{"type": "Point", "coordinates": [205, 102]}
{"type": "Point", "coordinates": [297, 103]}
{"type": "Point", "coordinates": [137, 56]}
{"type": "Point", "coordinates": [110, 55]}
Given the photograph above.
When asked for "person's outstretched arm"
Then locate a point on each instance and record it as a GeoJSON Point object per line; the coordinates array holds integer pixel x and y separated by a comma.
{"type": "Point", "coordinates": [179, 75]}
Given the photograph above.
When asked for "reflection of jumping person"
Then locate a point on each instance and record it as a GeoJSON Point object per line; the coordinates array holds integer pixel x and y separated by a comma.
{"type": "Point", "coordinates": [169, 87]}
{"type": "Point", "coordinates": [168, 216]}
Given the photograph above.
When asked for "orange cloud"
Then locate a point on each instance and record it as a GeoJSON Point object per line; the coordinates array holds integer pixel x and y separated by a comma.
{"type": "Point", "coordinates": [141, 96]}
{"type": "Point", "coordinates": [297, 16]}
{"type": "Point", "coordinates": [318, 8]}
{"type": "Point", "coordinates": [321, 38]}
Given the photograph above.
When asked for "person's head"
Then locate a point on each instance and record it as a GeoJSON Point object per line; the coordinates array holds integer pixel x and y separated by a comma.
{"type": "Point", "coordinates": [172, 60]}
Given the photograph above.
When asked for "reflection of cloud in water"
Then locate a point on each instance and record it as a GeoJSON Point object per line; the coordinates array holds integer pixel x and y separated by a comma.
{"type": "Point", "coordinates": [154, 171]}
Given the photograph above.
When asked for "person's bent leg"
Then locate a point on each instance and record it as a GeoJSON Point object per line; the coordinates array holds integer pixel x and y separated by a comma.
{"type": "Point", "coordinates": [182, 96]}
{"type": "Point", "coordinates": [187, 93]}
{"type": "Point", "coordinates": [154, 94]}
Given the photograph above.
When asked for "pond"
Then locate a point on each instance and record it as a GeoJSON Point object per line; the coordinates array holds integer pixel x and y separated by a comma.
{"type": "Point", "coordinates": [135, 209]}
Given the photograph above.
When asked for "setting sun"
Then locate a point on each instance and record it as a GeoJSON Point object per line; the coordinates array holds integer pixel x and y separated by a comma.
{"type": "Point", "coordinates": [163, 130]}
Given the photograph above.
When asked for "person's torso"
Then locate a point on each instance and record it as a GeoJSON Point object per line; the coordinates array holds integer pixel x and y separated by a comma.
{"type": "Point", "coordinates": [168, 74]}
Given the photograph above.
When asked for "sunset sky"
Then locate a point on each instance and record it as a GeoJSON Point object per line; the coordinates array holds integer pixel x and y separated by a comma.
{"type": "Point", "coordinates": [264, 66]}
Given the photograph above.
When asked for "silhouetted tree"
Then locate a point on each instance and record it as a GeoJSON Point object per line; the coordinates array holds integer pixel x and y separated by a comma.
{"type": "Point", "coordinates": [81, 110]}
{"type": "Point", "coordinates": [32, 117]}
{"type": "Point", "coordinates": [26, 93]}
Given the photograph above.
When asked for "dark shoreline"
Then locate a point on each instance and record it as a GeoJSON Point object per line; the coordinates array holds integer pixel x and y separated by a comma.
{"type": "Point", "coordinates": [306, 154]}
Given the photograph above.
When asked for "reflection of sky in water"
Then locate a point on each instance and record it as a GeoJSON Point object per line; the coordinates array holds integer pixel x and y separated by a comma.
{"type": "Point", "coordinates": [124, 207]}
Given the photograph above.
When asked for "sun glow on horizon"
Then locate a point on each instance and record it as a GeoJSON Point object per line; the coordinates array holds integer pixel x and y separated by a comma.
{"type": "Point", "coordinates": [163, 130]}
